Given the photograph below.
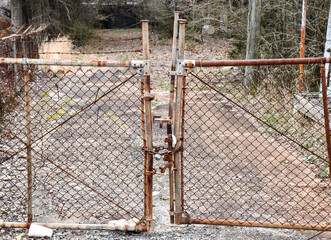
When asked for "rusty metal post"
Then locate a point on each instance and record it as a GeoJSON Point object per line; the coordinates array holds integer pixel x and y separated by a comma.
{"type": "Point", "coordinates": [28, 148]}
{"type": "Point", "coordinates": [326, 115]}
{"type": "Point", "coordinates": [177, 121]}
{"type": "Point", "coordinates": [173, 64]}
{"type": "Point", "coordinates": [148, 128]}
{"type": "Point", "coordinates": [171, 109]}
{"type": "Point", "coordinates": [15, 66]}
{"type": "Point", "coordinates": [77, 226]}
{"type": "Point", "coordinates": [302, 43]}
{"type": "Point", "coordinates": [142, 102]}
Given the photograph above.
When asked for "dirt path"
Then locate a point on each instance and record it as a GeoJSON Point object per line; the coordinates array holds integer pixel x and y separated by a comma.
{"type": "Point", "coordinates": [241, 173]}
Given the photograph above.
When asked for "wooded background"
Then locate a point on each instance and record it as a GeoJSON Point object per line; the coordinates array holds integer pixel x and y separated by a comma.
{"type": "Point", "coordinates": [280, 20]}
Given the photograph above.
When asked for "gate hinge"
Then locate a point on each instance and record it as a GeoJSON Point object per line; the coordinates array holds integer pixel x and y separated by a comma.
{"type": "Point", "coordinates": [181, 66]}
{"type": "Point", "coordinates": [146, 71]}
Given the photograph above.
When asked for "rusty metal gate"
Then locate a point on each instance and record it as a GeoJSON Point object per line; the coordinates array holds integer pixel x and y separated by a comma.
{"type": "Point", "coordinates": [251, 150]}
{"type": "Point", "coordinates": [241, 149]}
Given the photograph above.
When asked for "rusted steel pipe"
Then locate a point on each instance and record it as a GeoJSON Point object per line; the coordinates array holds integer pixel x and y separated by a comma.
{"type": "Point", "coordinates": [92, 40]}
{"type": "Point", "coordinates": [77, 53]}
{"type": "Point", "coordinates": [171, 113]}
{"type": "Point", "coordinates": [254, 62]}
{"type": "Point", "coordinates": [143, 126]}
{"type": "Point", "coordinates": [173, 64]}
{"type": "Point", "coordinates": [326, 115]}
{"type": "Point", "coordinates": [319, 227]}
{"type": "Point", "coordinates": [29, 141]}
{"type": "Point", "coordinates": [148, 126]}
{"type": "Point", "coordinates": [302, 44]}
{"type": "Point", "coordinates": [177, 123]}
{"type": "Point", "coordinates": [132, 63]}
{"type": "Point", "coordinates": [75, 226]}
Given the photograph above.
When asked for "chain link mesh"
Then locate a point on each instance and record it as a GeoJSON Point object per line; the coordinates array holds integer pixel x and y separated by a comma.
{"type": "Point", "coordinates": [87, 157]}
{"type": "Point", "coordinates": [254, 152]}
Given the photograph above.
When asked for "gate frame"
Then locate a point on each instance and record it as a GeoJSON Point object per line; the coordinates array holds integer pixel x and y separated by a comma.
{"type": "Point", "coordinates": [183, 67]}
{"type": "Point", "coordinates": [144, 65]}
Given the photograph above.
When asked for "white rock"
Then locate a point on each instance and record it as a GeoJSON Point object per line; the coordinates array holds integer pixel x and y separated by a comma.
{"type": "Point", "coordinates": [133, 221]}
{"type": "Point", "coordinates": [208, 30]}
{"type": "Point", "coordinates": [39, 231]}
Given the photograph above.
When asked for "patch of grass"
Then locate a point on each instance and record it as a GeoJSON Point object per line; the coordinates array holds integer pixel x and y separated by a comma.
{"type": "Point", "coordinates": [62, 112]}
{"type": "Point", "coordinates": [227, 90]}
{"type": "Point", "coordinates": [164, 198]}
{"type": "Point", "coordinates": [326, 172]}
{"type": "Point", "coordinates": [45, 126]}
{"type": "Point", "coordinates": [201, 88]}
{"type": "Point", "coordinates": [78, 58]}
{"type": "Point", "coordinates": [125, 58]}
{"type": "Point", "coordinates": [309, 159]}
{"type": "Point", "coordinates": [165, 85]}
{"type": "Point", "coordinates": [52, 117]}
{"type": "Point", "coordinates": [285, 161]}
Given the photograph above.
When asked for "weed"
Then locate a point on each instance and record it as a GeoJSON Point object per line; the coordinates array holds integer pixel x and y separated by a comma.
{"type": "Point", "coordinates": [62, 112]}
{"type": "Point", "coordinates": [325, 173]}
{"type": "Point", "coordinates": [125, 58]}
{"type": "Point", "coordinates": [309, 159]}
{"type": "Point", "coordinates": [201, 88]}
{"type": "Point", "coordinates": [165, 85]}
{"type": "Point", "coordinates": [53, 117]}
{"type": "Point", "coordinates": [284, 161]}
{"type": "Point", "coordinates": [164, 198]}
{"type": "Point", "coordinates": [116, 120]}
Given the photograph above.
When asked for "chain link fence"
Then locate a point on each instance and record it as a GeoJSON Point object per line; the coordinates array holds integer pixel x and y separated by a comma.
{"type": "Point", "coordinates": [21, 44]}
{"type": "Point", "coordinates": [254, 154]}
{"type": "Point", "coordinates": [75, 139]}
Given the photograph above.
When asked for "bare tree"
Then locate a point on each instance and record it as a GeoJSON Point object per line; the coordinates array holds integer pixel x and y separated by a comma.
{"type": "Point", "coordinates": [253, 33]}
{"type": "Point", "coordinates": [17, 13]}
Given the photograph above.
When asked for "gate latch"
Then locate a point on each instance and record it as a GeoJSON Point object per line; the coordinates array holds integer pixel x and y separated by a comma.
{"type": "Point", "coordinates": [157, 118]}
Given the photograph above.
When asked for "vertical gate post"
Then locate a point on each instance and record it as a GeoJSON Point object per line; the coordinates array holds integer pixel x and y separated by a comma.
{"type": "Point", "coordinates": [28, 135]}
{"type": "Point", "coordinates": [148, 128]}
{"type": "Point", "coordinates": [171, 113]}
{"type": "Point", "coordinates": [177, 121]}
{"type": "Point", "coordinates": [173, 64]}
{"type": "Point", "coordinates": [326, 116]}
{"type": "Point", "coordinates": [15, 39]}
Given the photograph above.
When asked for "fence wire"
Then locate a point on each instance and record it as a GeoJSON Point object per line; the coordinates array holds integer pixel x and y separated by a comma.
{"type": "Point", "coordinates": [87, 158]}
{"type": "Point", "coordinates": [254, 152]}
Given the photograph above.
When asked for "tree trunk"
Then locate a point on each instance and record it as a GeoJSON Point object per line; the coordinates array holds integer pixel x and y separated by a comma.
{"type": "Point", "coordinates": [327, 52]}
{"type": "Point", "coordinates": [253, 34]}
{"type": "Point", "coordinates": [17, 13]}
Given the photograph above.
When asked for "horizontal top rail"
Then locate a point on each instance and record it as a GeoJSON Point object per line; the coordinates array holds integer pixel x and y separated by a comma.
{"type": "Point", "coordinates": [254, 62]}
{"type": "Point", "coordinates": [28, 61]}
